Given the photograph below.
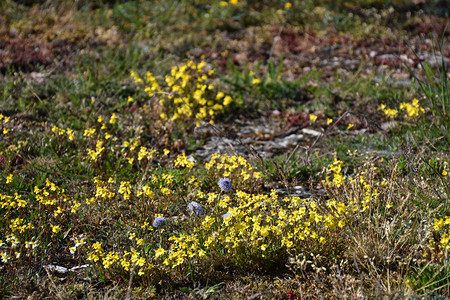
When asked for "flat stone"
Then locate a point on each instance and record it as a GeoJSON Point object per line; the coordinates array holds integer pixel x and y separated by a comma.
{"type": "Point", "coordinates": [57, 269]}
{"type": "Point", "coordinates": [311, 132]}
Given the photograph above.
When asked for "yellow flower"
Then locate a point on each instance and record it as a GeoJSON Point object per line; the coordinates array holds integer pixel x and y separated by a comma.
{"type": "Point", "coordinates": [312, 117]}
{"type": "Point", "coordinates": [9, 179]}
{"type": "Point", "coordinates": [412, 109]}
{"type": "Point", "coordinates": [136, 77]}
{"type": "Point", "coordinates": [71, 134]}
{"type": "Point", "coordinates": [75, 206]}
{"type": "Point", "coordinates": [55, 228]}
{"type": "Point", "coordinates": [165, 191]}
{"type": "Point", "coordinates": [58, 211]}
{"type": "Point", "coordinates": [391, 113]}
{"type": "Point", "coordinates": [287, 5]}
{"type": "Point", "coordinates": [220, 95]}
{"type": "Point", "coordinates": [256, 81]}
{"type": "Point", "coordinates": [201, 253]}
{"type": "Point", "coordinates": [227, 100]}
{"type": "Point", "coordinates": [89, 132]}
{"type": "Point", "coordinates": [329, 121]}
{"type": "Point", "coordinates": [350, 126]}
{"type": "Point", "coordinates": [234, 2]}
{"type": "Point", "coordinates": [444, 173]}
{"type": "Point", "coordinates": [183, 161]}
{"type": "Point", "coordinates": [113, 119]}
{"type": "Point", "coordinates": [159, 252]}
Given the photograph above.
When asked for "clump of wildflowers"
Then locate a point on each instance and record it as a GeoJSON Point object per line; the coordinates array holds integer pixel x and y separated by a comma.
{"type": "Point", "coordinates": [441, 244]}
{"type": "Point", "coordinates": [389, 112]}
{"type": "Point", "coordinates": [225, 185]}
{"type": "Point", "coordinates": [188, 96]}
{"type": "Point", "coordinates": [412, 109]}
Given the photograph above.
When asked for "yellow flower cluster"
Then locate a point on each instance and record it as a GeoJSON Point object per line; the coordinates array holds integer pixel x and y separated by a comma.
{"type": "Point", "coordinates": [55, 199]}
{"type": "Point", "coordinates": [145, 153]}
{"type": "Point", "coordinates": [19, 225]}
{"type": "Point", "coordinates": [389, 112]}
{"type": "Point", "coordinates": [335, 169]}
{"type": "Point", "coordinates": [184, 248]}
{"type": "Point", "coordinates": [93, 155]}
{"type": "Point", "coordinates": [412, 109]}
{"type": "Point", "coordinates": [124, 260]}
{"type": "Point", "coordinates": [23, 227]}
{"type": "Point", "coordinates": [61, 132]}
{"type": "Point", "coordinates": [9, 202]}
{"type": "Point", "coordinates": [242, 227]}
{"type": "Point", "coordinates": [366, 193]}
{"type": "Point", "coordinates": [125, 190]}
{"type": "Point", "coordinates": [232, 166]}
{"type": "Point", "coordinates": [225, 3]}
{"type": "Point", "coordinates": [103, 191]}
{"type": "Point", "coordinates": [442, 224]}
{"type": "Point", "coordinates": [9, 178]}
{"type": "Point", "coordinates": [187, 95]}
{"type": "Point", "coordinates": [183, 161]}
{"type": "Point", "coordinates": [257, 225]}
{"type": "Point", "coordinates": [359, 193]}
{"type": "Point", "coordinates": [4, 120]}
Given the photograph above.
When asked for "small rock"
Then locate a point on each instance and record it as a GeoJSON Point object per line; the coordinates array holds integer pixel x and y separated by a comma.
{"type": "Point", "coordinates": [80, 267]}
{"type": "Point", "coordinates": [38, 77]}
{"type": "Point", "coordinates": [64, 270]}
{"type": "Point", "coordinates": [289, 141]}
{"type": "Point", "coordinates": [276, 113]}
{"type": "Point", "coordinates": [389, 125]}
{"type": "Point", "coordinates": [57, 269]}
{"type": "Point", "coordinates": [311, 132]}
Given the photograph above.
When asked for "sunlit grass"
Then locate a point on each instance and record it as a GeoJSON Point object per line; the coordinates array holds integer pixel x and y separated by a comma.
{"type": "Point", "coordinates": [99, 173]}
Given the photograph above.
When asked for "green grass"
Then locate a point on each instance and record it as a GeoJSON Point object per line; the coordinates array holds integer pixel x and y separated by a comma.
{"type": "Point", "coordinates": [88, 161]}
